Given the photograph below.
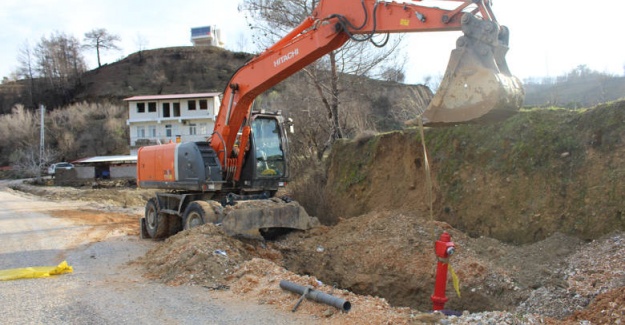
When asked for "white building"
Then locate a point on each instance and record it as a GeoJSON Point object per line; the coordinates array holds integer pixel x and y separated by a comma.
{"type": "Point", "coordinates": [169, 118]}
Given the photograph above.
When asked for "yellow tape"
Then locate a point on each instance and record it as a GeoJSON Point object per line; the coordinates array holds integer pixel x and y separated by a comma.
{"type": "Point", "coordinates": [35, 272]}
{"type": "Point", "coordinates": [454, 279]}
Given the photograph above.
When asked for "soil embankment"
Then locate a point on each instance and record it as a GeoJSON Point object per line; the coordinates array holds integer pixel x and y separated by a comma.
{"type": "Point", "coordinates": [520, 181]}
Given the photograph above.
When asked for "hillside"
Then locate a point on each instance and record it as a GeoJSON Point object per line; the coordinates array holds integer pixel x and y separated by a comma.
{"type": "Point", "coordinates": [163, 71]}
{"type": "Point", "coordinates": [158, 71]}
{"type": "Point", "coordinates": [587, 91]}
{"type": "Point", "coordinates": [540, 172]}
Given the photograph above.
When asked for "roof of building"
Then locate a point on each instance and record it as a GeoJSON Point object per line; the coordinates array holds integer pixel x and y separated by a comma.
{"type": "Point", "coordinates": [111, 159]}
{"type": "Point", "coordinates": [172, 96]}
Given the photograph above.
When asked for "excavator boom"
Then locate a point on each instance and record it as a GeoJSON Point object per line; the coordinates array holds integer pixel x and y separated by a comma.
{"type": "Point", "coordinates": [477, 85]}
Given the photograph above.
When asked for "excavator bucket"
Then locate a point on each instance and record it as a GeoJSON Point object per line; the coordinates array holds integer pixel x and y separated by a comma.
{"type": "Point", "coordinates": [477, 86]}
{"type": "Point", "coordinates": [267, 216]}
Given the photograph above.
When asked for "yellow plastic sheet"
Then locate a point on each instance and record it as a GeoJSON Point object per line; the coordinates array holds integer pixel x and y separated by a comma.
{"type": "Point", "coordinates": [35, 272]}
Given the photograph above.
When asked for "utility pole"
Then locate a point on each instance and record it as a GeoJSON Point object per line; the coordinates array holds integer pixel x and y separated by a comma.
{"type": "Point", "coordinates": [41, 141]}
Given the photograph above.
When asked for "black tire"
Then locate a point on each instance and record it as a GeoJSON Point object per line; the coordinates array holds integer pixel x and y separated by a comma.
{"type": "Point", "coordinates": [155, 223]}
{"type": "Point", "coordinates": [198, 213]}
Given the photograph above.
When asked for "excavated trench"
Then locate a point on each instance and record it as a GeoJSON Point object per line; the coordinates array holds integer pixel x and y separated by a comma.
{"type": "Point", "coordinates": [519, 198]}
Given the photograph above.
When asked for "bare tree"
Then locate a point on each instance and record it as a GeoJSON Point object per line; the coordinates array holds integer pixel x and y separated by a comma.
{"type": "Point", "coordinates": [100, 40]}
{"type": "Point", "coordinates": [272, 19]}
{"type": "Point", "coordinates": [26, 70]}
{"type": "Point", "coordinates": [59, 60]}
{"type": "Point", "coordinates": [142, 44]}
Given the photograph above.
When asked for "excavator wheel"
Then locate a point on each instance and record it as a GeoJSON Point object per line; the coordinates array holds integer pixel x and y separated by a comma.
{"type": "Point", "coordinates": [156, 224]}
{"type": "Point", "coordinates": [198, 213]}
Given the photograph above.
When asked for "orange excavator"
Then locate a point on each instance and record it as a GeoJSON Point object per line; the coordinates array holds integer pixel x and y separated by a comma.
{"type": "Point", "coordinates": [232, 178]}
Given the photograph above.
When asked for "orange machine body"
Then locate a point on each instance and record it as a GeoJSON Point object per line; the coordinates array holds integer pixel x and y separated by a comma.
{"type": "Point", "coordinates": [188, 166]}
{"type": "Point", "coordinates": [157, 163]}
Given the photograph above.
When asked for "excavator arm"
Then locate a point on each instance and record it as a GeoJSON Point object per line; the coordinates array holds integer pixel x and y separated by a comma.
{"type": "Point", "coordinates": [477, 85]}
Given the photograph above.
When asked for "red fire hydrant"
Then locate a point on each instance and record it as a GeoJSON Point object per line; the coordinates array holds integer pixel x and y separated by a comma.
{"type": "Point", "coordinates": [443, 248]}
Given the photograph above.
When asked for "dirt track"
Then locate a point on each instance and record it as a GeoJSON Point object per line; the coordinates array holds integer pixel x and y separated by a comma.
{"type": "Point", "coordinates": [369, 255]}
{"type": "Point", "coordinates": [105, 287]}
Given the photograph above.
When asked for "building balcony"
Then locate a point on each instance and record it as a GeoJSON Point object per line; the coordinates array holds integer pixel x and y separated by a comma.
{"type": "Point", "coordinates": [179, 119]}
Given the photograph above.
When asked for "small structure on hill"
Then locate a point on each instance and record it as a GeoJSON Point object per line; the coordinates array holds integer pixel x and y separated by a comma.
{"type": "Point", "coordinates": [206, 35]}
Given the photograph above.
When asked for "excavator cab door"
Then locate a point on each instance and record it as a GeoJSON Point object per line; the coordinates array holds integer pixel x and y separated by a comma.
{"type": "Point", "coordinates": [477, 86]}
{"type": "Point", "coordinates": [266, 164]}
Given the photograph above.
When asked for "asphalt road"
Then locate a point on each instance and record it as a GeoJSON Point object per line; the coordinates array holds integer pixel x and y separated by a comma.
{"type": "Point", "coordinates": [105, 287]}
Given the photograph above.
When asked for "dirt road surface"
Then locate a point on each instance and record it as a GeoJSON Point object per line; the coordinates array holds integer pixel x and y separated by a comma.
{"type": "Point", "coordinates": [105, 287]}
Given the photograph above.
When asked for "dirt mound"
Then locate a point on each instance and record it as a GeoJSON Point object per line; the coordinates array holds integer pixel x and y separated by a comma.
{"type": "Point", "coordinates": [202, 256]}
{"type": "Point", "coordinates": [607, 308]}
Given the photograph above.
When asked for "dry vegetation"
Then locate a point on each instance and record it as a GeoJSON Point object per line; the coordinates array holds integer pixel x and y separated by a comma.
{"type": "Point", "coordinates": [78, 131]}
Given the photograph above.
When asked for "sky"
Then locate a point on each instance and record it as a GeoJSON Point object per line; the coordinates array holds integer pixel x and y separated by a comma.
{"type": "Point", "coordinates": [547, 37]}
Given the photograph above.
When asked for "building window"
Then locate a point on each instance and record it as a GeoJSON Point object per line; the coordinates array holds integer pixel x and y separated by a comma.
{"type": "Point", "coordinates": [203, 128]}
{"type": "Point", "coordinates": [191, 105]}
{"type": "Point", "coordinates": [168, 130]}
{"type": "Point", "coordinates": [176, 109]}
{"type": "Point", "coordinates": [192, 129]}
{"type": "Point", "coordinates": [203, 104]}
{"type": "Point", "coordinates": [140, 107]}
{"type": "Point", "coordinates": [152, 131]}
{"type": "Point", "coordinates": [166, 112]}
{"type": "Point", "coordinates": [140, 132]}
{"type": "Point", "coordinates": [152, 107]}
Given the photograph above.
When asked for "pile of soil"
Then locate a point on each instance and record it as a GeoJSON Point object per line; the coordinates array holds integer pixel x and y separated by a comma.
{"type": "Point", "coordinates": [387, 260]}
{"type": "Point", "coordinates": [203, 256]}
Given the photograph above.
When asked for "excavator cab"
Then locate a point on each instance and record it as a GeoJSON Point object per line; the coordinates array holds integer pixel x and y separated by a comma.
{"type": "Point", "coordinates": [477, 86]}
{"type": "Point", "coordinates": [266, 166]}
